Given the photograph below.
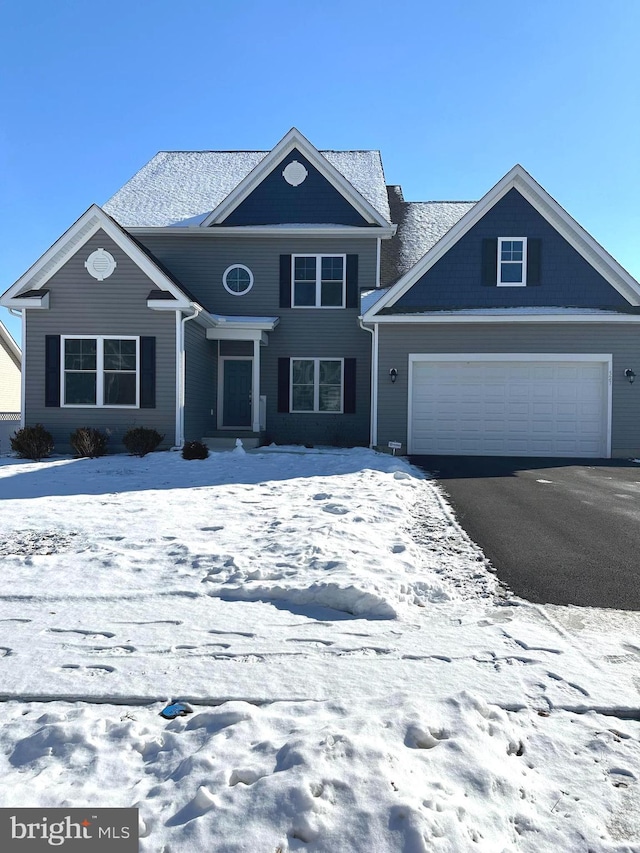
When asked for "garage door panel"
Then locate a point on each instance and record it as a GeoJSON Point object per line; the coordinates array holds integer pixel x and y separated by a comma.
{"type": "Point", "coordinates": [509, 408]}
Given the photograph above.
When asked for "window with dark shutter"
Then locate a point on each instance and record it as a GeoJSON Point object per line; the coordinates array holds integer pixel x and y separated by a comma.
{"type": "Point", "coordinates": [534, 257]}
{"type": "Point", "coordinates": [283, 384]}
{"type": "Point", "coordinates": [352, 281]}
{"type": "Point", "coordinates": [349, 386]}
{"type": "Point", "coordinates": [490, 262]}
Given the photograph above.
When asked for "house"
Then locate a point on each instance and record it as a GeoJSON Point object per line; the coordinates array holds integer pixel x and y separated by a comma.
{"type": "Point", "coordinates": [10, 360]}
{"type": "Point", "coordinates": [292, 296]}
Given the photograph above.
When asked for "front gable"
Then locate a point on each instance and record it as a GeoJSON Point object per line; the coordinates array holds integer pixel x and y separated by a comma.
{"type": "Point", "coordinates": [568, 269]}
{"type": "Point", "coordinates": [278, 201]}
{"type": "Point", "coordinates": [466, 276]}
{"type": "Point", "coordinates": [295, 185]}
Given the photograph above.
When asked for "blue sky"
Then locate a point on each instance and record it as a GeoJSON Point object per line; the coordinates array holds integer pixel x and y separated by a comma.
{"type": "Point", "coordinates": [453, 94]}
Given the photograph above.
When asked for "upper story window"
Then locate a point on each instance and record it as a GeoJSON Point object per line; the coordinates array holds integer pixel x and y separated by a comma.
{"type": "Point", "coordinates": [512, 261]}
{"type": "Point", "coordinates": [100, 371]}
{"type": "Point", "coordinates": [318, 281]}
{"type": "Point", "coordinates": [237, 279]}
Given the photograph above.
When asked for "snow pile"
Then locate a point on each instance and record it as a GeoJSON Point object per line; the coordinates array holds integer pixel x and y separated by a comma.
{"type": "Point", "coordinates": [450, 776]}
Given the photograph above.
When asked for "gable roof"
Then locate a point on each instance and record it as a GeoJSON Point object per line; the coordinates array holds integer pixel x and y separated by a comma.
{"type": "Point", "coordinates": [91, 221]}
{"type": "Point", "coordinates": [517, 178]}
{"type": "Point", "coordinates": [184, 187]}
{"type": "Point", "coordinates": [10, 345]}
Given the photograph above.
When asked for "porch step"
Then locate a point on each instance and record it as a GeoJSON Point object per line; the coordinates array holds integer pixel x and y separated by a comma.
{"type": "Point", "coordinates": [227, 440]}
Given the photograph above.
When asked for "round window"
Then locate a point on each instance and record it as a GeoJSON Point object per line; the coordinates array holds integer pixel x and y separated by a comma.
{"type": "Point", "coordinates": [238, 279]}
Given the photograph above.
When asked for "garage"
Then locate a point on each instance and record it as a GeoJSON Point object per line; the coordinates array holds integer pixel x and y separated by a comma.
{"type": "Point", "coordinates": [510, 404]}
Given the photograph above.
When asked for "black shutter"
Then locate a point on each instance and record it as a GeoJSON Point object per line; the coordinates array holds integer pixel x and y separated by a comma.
{"type": "Point", "coordinates": [147, 373]}
{"type": "Point", "coordinates": [534, 250]}
{"type": "Point", "coordinates": [490, 262]}
{"type": "Point", "coordinates": [51, 371]}
{"type": "Point", "coordinates": [283, 384]}
{"type": "Point", "coordinates": [352, 281]}
{"type": "Point", "coordinates": [285, 282]}
{"type": "Point", "coordinates": [349, 386]}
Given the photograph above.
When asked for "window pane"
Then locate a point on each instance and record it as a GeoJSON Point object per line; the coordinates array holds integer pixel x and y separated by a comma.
{"type": "Point", "coordinates": [330, 372]}
{"type": "Point", "coordinates": [510, 272]}
{"type": "Point", "coordinates": [302, 398]}
{"type": "Point", "coordinates": [330, 398]}
{"type": "Point", "coordinates": [304, 294]}
{"type": "Point", "coordinates": [505, 251]}
{"type": "Point", "coordinates": [303, 372]}
{"type": "Point", "coordinates": [238, 280]}
{"type": "Point", "coordinates": [305, 269]}
{"type": "Point", "coordinates": [331, 293]}
{"type": "Point", "coordinates": [119, 389]}
{"type": "Point", "coordinates": [332, 269]}
{"type": "Point", "coordinates": [80, 389]}
{"type": "Point", "coordinates": [119, 355]}
{"type": "Point", "coordinates": [80, 354]}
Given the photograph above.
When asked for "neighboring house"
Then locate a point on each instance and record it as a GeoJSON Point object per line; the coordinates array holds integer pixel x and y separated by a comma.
{"type": "Point", "coordinates": [218, 294]}
{"type": "Point", "coordinates": [10, 359]}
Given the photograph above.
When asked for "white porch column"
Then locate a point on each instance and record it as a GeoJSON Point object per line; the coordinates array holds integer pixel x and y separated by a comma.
{"type": "Point", "coordinates": [255, 393]}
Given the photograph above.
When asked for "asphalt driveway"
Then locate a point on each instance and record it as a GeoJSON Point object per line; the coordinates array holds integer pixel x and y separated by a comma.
{"type": "Point", "coordinates": [563, 531]}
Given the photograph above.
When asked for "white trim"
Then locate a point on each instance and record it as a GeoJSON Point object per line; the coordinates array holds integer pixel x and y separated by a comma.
{"type": "Point", "coordinates": [255, 388]}
{"type": "Point", "coordinates": [290, 230]}
{"type": "Point", "coordinates": [316, 386]}
{"type": "Point", "coordinates": [226, 273]}
{"type": "Point", "coordinates": [218, 334]}
{"type": "Point", "coordinates": [294, 139]}
{"type": "Point", "coordinates": [374, 385]}
{"type": "Point", "coordinates": [34, 302]}
{"type": "Point", "coordinates": [461, 317]}
{"type": "Point", "coordinates": [319, 280]}
{"type": "Point", "coordinates": [93, 220]}
{"type": "Point", "coordinates": [220, 407]}
{"type": "Point", "coordinates": [99, 371]}
{"type": "Point", "coordinates": [602, 358]}
{"type": "Point", "coordinates": [547, 207]}
{"type": "Point", "coordinates": [179, 362]}
{"type": "Point", "coordinates": [378, 252]}
{"type": "Point", "coordinates": [23, 371]}
{"type": "Point", "coordinates": [522, 263]}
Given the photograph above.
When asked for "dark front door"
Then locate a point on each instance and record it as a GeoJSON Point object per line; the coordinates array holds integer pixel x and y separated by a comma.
{"type": "Point", "coordinates": [236, 409]}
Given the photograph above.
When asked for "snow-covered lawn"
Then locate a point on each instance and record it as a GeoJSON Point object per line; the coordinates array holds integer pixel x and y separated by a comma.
{"type": "Point", "coordinates": [359, 681]}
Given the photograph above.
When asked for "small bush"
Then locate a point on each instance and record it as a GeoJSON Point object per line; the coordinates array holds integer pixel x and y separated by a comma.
{"type": "Point", "coordinates": [32, 442]}
{"type": "Point", "coordinates": [140, 440]}
{"type": "Point", "coordinates": [195, 450]}
{"type": "Point", "coordinates": [87, 441]}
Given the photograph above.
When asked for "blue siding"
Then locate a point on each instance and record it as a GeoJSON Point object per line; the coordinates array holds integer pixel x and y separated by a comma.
{"type": "Point", "coordinates": [314, 201]}
{"type": "Point", "coordinates": [566, 279]}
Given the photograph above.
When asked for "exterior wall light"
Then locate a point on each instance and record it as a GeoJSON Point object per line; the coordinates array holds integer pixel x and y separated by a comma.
{"type": "Point", "coordinates": [630, 375]}
{"type": "Point", "coordinates": [393, 374]}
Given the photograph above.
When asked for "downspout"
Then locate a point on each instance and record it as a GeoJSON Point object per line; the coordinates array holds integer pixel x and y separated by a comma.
{"type": "Point", "coordinates": [373, 425]}
{"type": "Point", "coordinates": [181, 373]}
{"type": "Point", "coordinates": [21, 312]}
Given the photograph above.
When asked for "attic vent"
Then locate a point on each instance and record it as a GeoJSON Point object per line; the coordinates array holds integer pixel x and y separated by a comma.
{"type": "Point", "coordinates": [294, 173]}
{"type": "Point", "coordinates": [100, 264]}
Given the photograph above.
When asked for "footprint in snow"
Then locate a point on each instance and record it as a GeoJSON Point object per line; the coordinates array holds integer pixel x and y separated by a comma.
{"type": "Point", "coordinates": [83, 632]}
{"type": "Point", "coordinates": [335, 509]}
{"type": "Point", "coordinates": [89, 670]}
{"type": "Point", "coordinates": [398, 549]}
{"type": "Point", "coordinates": [321, 496]}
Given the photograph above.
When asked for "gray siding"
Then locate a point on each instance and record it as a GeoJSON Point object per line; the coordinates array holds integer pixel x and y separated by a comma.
{"type": "Point", "coordinates": [621, 340]}
{"type": "Point", "coordinates": [566, 279]}
{"type": "Point", "coordinates": [200, 261]}
{"type": "Point", "coordinates": [80, 305]}
{"type": "Point", "coordinates": [200, 386]}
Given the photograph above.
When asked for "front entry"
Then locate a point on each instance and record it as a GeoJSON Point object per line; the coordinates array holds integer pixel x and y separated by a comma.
{"type": "Point", "coordinates": [237, 381]}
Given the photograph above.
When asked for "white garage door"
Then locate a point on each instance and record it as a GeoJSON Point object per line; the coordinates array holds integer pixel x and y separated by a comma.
{"type": "Point", "coordinates": [508, 408]}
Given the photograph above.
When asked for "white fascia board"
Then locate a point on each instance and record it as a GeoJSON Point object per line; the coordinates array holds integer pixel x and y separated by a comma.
{"type": "Point", "coordinates": [93, 220]}
{"type": "Point", "coordinates": [10, 344]}
{"type": "Point", "coordinates": [390, 319]}
{"type": "Point", "coordinates": [168, 304]}
{"type": "Point", "coordinates": [518, 178]}
{"type": "Point", "coordinates": [383, 232]}
{"type": "Point", "coordinates": [294, 139]}
{"type": "Point", "coordinates": [262, 325]}
{"type": "Point", "coordinates": [219, 334]}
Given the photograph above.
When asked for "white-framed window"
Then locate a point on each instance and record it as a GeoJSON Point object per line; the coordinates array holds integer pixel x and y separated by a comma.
{"type": "Point", "coordinates": [318, 281]}
{"type": "Point", "coordinates": [512, 261]}
{"type": "Point", "coordinates": [100, 371]}
{"type": "Point", "coordinates": [317, 385]}
{"type": "Point", "coordinates": [237, 279]}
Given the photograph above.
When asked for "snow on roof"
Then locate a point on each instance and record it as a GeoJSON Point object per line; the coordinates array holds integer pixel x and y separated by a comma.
{"type": "Point", "coordinates": [175, 186]}
{"type": "Point", "coordinates": [368, 298]}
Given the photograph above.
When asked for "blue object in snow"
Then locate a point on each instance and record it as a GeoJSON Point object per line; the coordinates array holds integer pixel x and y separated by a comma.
{"type": "Point", "coordinates": [176, 709]}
